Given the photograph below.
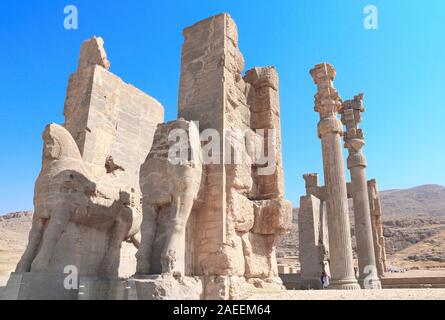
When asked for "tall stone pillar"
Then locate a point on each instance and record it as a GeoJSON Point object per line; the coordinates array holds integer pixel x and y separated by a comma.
{"type": "Point", "coordinates": [354, 142]}
{"type": "Point", "coordinates": [330, 131]}
{"type": "Point", "coordinates": [376, 218]}
{"type": "Point", "coordinates": [312, 233]}
{"type": "Point", "coordinates": [233, 231]}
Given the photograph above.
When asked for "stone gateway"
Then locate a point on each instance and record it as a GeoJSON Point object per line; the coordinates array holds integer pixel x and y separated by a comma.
{"type": "Point", "coordinates": [202, 229]}
{"type": "Point", "coordinates": [136, 208]}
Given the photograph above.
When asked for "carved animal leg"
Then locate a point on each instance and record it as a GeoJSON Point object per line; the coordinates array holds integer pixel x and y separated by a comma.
{"type": "Point", "coordinates": [180, 212]}
{"type": "Point", "coordinates": [148, 233]}
{"type": "Point", "coordinates": [35, 237]}
{"type": "Point", "coordinates": [57, 224]}
{"type": "Point", "coordinates": [110, 264]}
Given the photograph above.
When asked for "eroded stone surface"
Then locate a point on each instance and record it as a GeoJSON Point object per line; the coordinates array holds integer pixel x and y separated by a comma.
{"type": "Point", "coordinates": [166, 287]}
{"type": "Point", "coordinates": [354, 141]}
{"type": "Point", "coordinates": [170, 183]}
{"type": "Point", "coordinates": [236, 229]}
{"type": "Point", "coordinates": [87, 196]}
{"type": "Point", "coordinates": [219, 221]}
{"type": "Point", "coordinates": [330, 130]}
{"type": "Point", "coordinates": [377, 227]}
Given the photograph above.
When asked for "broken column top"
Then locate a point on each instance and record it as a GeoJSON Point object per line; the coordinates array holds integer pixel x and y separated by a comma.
{"type": "Point", "coordinates": [327, 99]}
{"type": "Point", "coordinates": [265, 76]}
{"type": "Point", "coordinates": [200, 25]}
{"type": "Point", "coordinates": [312, 187]}
{"type": "Point", "coordinates": [93, 53]}
{"type": "Point", "coordinates": [355, 104]}
{"type": "Point", "coordinates": [323, 72]}
{"type": "Point", "coordinates": [311, 180]}
{"type": "Point", "coordinates": [351, 116]}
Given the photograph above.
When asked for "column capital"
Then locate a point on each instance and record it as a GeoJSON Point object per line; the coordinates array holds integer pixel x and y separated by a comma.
{"type": "Point", "coordinates": [323, 72]}
{"type": "Point", "coordinates": [262, 77]}
{"type": "Point", "coordinates": [311, 180]}
{"type": "Point", "coordinates": [351, 116]}
{"type": "Point", "coordinates": [327, 99]}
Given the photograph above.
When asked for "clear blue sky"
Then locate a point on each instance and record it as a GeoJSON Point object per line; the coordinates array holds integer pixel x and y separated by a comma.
{"type": "Point", "coordinates": [400, 67]}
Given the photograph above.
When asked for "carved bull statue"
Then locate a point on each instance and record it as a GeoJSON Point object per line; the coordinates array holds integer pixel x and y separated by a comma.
{"type": "Point", "coordinates": [66, 193]}
{"type": "Point", "coordinates": [170, 183]}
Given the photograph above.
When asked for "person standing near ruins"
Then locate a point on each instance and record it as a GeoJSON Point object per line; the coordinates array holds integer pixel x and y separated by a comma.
{"type": "Point", "coordinates": [324, 280]}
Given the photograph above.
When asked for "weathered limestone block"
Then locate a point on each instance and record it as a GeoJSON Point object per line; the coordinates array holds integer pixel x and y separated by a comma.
{"type": "Point", "coordinates": [87, 196]}
{"type": "Point", "coordinates": [264, 104]}
{"type": "Point", "coordinates": [213, 92]}
{"type": "Point", "coordinates": [272, 217]}
{"type": "Point", "coordinates": [233, 208]}
{"type": "Point", "coordinates": [377, 227]}
{"type": "Point", "coordinates": [167, 287]}
{"type": "Point", "coordinates": [312, 187]}
{"type": "Point", "coordinates": [259, 253]}
{"type": "Point", "coordinates": [170, 183]}
{"type": "Point", "coordinates": [37, 286]}
{"type": "Point", "coordinates": [67, 202]}
{"type": "Point", "coordinates": [202, 98]}
{"type": "Point", "coordinates": [241, 211]}
{"type": "Point", "coordinates": [109, 118]}
{"type": "Point", "coordinates": [313, 241]}
{"type": "Point", "coordinates": [218, 221]}
{"type": "Point", "coordinates": [93, 53]}
{"type": "Point", "coordinates": [217, 288]}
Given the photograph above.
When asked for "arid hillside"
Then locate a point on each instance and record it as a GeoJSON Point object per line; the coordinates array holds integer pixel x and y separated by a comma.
{"type": "Point", "coordinates": [426, 200]}
{"type": "Point", "coordinates": [414, 227]}
{"type": "Point", "coordinates": [14, 229]}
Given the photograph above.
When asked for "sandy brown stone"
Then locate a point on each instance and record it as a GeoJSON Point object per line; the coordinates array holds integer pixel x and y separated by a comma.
{"type": "Point", "coordinates": [87, 197]}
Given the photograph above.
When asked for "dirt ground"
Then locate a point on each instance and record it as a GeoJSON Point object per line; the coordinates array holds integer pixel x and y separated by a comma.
{"type": "Point", "coordinates": [13, 240]}
{"type": "Point", "coordinates": [387, 294]}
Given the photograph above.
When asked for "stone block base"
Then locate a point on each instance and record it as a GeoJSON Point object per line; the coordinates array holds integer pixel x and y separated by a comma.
{"type": "Point", "coordinates": [311, 284]}
{"type": "Point", "coordinates": [344, 285]}
{"type": "Point", "coordinates": [91, 288]}
{"type": "Point", "coordinates": [35, 286]}
{"type": "Point", "coordinates": [41, 286]}
{"type": "Point", "coordinates": [370, 284]}
{"type": "Point", "coordinates": [166, 287]}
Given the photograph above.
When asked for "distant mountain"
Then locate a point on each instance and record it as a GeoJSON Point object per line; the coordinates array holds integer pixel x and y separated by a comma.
{"type": "Point", "coordinates": [412, 219]}
{"type": "Point", "coordinates": [424, 200]}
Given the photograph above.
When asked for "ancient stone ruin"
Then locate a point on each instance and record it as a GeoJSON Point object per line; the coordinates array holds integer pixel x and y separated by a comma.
{"type": "Point", "coordinates": [224, 221]}
{"type": "Point", "coordinates": [203, 229]}
{"type": "Point", "coordinates": [87, 196]}
{"type": "Point", "coordinates": [325, 236]}
{"type": "Point", "coordinates": [201, 198]}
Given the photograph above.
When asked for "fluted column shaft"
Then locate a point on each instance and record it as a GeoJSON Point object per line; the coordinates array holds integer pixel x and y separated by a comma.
{"type": "Point", "coordinates": [330, 131]}
{"type": "Point", "coordinates": [354, 141]}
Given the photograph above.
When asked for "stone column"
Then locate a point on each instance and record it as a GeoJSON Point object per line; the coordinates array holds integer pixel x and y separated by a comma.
{"type": "Point", "coordinates": [312, 233]}
{"type": "Point", "coordinates": [330, 131]}
{"type": "Point", "coordinates": [354, 142]}
{"type": "Point", "coordinates": [376, 219]}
